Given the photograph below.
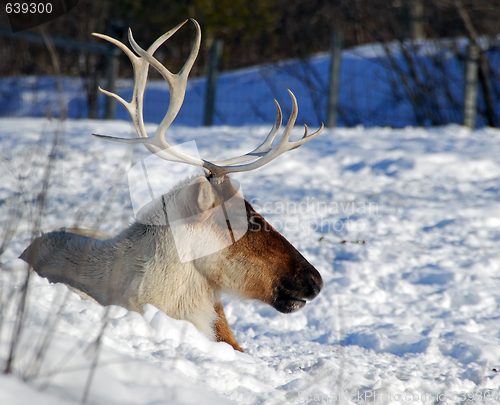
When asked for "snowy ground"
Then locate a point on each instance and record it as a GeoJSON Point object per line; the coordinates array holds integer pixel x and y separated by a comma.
{"type": "Point", "coordinates": [403, 225]}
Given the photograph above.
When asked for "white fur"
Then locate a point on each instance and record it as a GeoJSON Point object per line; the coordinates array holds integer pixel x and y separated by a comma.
{"type": "Point", "coordinates": [141, 264]}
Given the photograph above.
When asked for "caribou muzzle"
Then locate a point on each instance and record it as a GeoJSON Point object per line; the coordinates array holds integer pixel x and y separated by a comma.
{"type": "Point", "coordinates": [291, 294]}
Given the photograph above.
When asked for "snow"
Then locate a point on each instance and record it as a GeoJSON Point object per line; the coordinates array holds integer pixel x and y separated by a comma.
{"type": "Point", "coordinates": [402, 224]}
{"type": "Point", "coordinates": [372, 92]}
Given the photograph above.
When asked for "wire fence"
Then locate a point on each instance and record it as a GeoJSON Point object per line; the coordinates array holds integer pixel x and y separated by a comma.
{"type": "Point", "coordinates": [398, 84]}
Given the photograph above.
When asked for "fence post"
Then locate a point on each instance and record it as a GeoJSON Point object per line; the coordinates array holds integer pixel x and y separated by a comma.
{"type": "Point", "coordinates": [470, 85]}
{"type": "Point", "coordinates": [115, 29]}
{"type": "Point", "coordinates": [336, 45]}
{"type": "Point", "coordinates": [413, 19]}
{"type": "Point", "coordinates": [214, 62]}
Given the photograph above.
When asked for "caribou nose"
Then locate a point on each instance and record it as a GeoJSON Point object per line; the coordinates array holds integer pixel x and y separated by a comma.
{"type": "Point", "coordinates": [315, 282]}
{"type": "Point", "coordinates": [309, 282]}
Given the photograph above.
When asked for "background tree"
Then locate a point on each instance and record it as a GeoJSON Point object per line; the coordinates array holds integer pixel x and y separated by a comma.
{"type": "Point", "coordinates": [253, 31]}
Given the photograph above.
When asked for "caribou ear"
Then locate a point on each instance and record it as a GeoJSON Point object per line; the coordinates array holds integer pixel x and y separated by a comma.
{"type": "Point", "coordinates": [193, 199]}
{"type": "Point", "coordinates": [205, 198]}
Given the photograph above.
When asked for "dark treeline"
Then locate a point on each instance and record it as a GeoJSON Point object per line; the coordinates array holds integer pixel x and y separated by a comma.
{"type": "Point", "coordinates": [253, 31]}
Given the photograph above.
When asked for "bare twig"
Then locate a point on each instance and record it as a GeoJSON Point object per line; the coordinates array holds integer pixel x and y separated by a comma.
{"type": "Point", "coordinates": [95, 359]}
{"type": "Point", "coordinates": [36, 227]}
{"type": "Point", "coordinates": [41, 201]}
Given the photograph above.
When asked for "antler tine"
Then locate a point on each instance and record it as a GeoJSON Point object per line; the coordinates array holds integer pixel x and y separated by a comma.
{"type": "Point", "coordinates": [161, 40]}
{"type": "Point", "coordinates": [134, 107]}
{"type": "Point", "coordinates": [262, 149]}
{"type": "Point", "coordinates": [141, 67]}
{"type": "Point", "coordinates": [177, 84]}
{"type": "Point", "coordinates": [282, 146]}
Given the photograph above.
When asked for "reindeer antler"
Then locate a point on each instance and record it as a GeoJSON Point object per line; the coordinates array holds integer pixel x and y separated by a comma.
{"type": "Point", "coordinates": [177, 83]}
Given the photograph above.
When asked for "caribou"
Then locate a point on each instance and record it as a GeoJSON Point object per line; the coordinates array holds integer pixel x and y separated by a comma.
{"type": "Point", "coordinates": [222, 246]}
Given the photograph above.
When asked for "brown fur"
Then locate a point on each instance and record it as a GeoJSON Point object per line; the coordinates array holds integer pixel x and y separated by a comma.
{"type": "Point", "coordinates": [91, 234]}
{"type": "Point", "coordinates": [222, 331]}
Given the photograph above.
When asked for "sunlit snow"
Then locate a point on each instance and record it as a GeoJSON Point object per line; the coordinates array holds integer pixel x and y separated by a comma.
{"type": "Point", "coordinates": [403, 225]}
